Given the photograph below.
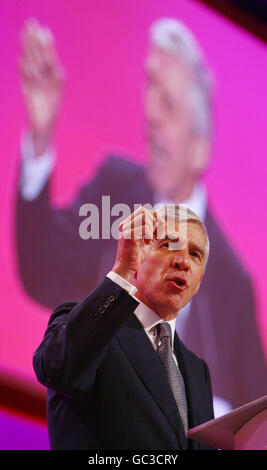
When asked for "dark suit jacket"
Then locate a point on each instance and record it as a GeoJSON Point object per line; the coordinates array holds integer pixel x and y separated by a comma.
{"type": "Point", "coordinates": [107, 386]}
{"type": "Point", "coordinates": [55, 264]}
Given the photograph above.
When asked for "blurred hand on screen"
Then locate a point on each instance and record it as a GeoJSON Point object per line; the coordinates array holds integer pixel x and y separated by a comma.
{"type": "Point", "coordinates": [42, 80]}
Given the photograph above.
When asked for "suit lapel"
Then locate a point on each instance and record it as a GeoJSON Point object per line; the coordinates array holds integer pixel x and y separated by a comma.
{"type": "Point", "coordinates": [137, 346]}
{"type": "Point", "coordinates": [191, 385]}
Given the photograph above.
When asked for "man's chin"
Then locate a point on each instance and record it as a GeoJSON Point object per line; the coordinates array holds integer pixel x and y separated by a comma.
{"type": "Point", "coordinates": [169, 315]}
{"type": "Point", "coordinates": [158, 179]}
{"type": "Point", "coordinates": [170, 312]}
{"type": "Point", "coordinates": [178, 306]}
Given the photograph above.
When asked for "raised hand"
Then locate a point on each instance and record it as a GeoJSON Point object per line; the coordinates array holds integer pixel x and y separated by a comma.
{"type": "Point", "coordinates": [41, 79]}
{"type": "Point", "coordinates": [137, 233]}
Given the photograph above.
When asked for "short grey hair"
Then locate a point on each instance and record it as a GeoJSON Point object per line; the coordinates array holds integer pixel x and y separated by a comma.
{"type": "Point", "coordinates": [176, 39]}
{"type": "Point", "coordinates": [181, 213]}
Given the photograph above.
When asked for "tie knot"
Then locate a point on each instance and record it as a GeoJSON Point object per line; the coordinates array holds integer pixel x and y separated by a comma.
{"type": "Point", "coordinates": [163, 330]}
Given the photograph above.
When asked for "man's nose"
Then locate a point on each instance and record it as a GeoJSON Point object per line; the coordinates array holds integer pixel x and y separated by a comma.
{"type": "Point", "coordinates": [180, 261]}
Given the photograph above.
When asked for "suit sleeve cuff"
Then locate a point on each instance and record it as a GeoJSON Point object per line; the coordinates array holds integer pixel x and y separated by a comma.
{"type": "Point", "coordinates": [122, 283]}
{"type": "Point", "coordinates": [35, 172]}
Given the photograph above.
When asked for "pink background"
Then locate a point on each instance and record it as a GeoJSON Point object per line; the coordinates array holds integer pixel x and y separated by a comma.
{"type": "Point", "coordinates": [102, 45]}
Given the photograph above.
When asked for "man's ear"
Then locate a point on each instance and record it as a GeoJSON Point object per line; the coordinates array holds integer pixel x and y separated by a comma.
{"type": "Point", "coordinates": [199, 153]}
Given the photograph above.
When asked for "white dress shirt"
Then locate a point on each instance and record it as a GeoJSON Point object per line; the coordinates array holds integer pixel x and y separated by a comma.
{"type": "Point", "coordinates": [147, 317]}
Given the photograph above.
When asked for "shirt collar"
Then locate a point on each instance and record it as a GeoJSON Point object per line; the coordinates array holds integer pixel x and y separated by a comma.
{"type": "Point", "coordinates": [197, 200]}
{"type": "Point", "coordinates": [149, 319]}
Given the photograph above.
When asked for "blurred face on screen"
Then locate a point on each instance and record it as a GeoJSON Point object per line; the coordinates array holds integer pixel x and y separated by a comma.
{"type": "Point", "coordinates": [172, 144]}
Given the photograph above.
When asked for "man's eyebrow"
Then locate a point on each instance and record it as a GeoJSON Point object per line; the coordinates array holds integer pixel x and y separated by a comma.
{"type": "Point", "coordinates": [192, 245]}
{"type": "Point", "coordinates": [169, 237]}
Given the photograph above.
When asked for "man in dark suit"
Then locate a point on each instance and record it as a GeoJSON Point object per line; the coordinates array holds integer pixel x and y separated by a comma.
{"type": "Point", "coordinates": [219, 324]}
{"type": "Point", "coordinates": [117, 373]}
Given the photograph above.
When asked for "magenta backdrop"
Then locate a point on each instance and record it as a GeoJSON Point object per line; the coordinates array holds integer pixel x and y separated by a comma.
{"type": "Point", "coordinates": [103, 45]}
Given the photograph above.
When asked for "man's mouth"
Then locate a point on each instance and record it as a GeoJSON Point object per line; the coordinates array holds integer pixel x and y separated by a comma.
{"type": "Point", "coordinates": [178, 283]}
{"type": "Point", "coordinates": [158, 153]}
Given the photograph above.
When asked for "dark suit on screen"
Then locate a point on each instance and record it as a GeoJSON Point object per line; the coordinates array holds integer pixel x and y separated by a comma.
{"type": "Point", "coordinates": [107, 386]}
{"type": "Point", "coordinates": [55, 264]}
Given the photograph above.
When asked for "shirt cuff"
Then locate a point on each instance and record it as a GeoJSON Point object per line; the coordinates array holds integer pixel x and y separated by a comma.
{"type": "Point", "coordinates": [130, 288]}
{"type": "Point", "coordinates": [35, 172]}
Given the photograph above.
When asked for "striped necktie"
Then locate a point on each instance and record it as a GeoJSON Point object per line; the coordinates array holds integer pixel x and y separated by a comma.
{"type": "Point", "coordinates": [173, 372]}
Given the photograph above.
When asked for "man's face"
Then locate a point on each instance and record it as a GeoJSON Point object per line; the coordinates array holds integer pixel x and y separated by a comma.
{"type": "Point", "coordinates": [168, 278]}
{"type": "Point", "coordinates": [168, 123]}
